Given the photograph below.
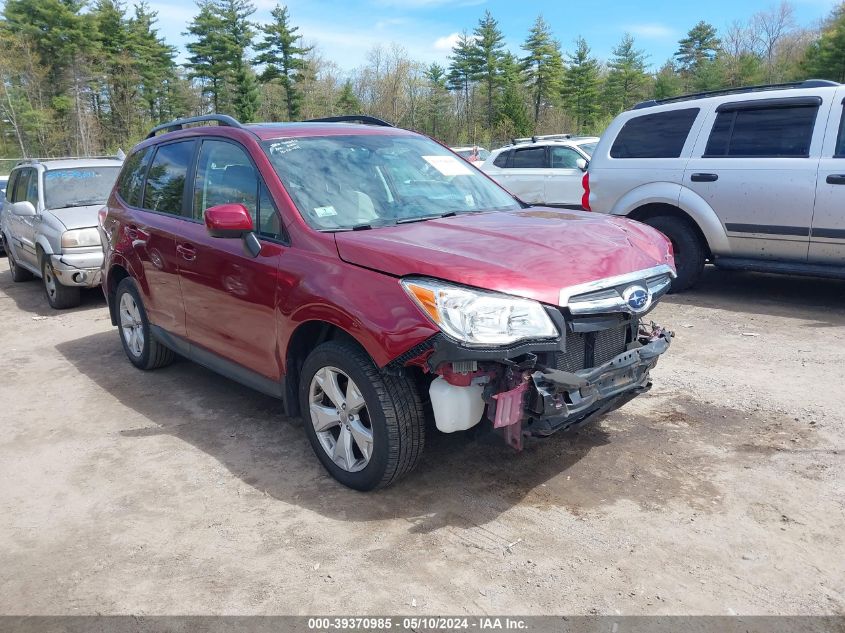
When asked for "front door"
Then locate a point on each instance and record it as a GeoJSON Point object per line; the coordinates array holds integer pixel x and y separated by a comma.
{"type": "Point", "coordinates": [827, 241]}
{"type": "Point", "coordinates": [757, 171]}
{"type": "Point", "coordinates": [230, 297]}
{"type": "Point", "coordinates": [23, 226]}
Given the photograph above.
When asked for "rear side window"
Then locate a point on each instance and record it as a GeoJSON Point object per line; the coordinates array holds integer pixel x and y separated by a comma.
{"type": "Point", "coordinates": [502, 159]}
{"type": "Point", "coordinates": [530, 158]}
{"type": "Point", "coordinates": [659, 135]}
{"type": "Point", "coordinates": [131, 183]}
{"type": "Point", "coordinates": [764, 132]}
{"type": "Point", "coordinates": [165, 184]}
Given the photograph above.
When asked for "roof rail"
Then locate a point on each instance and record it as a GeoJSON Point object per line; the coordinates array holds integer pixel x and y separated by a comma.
{"type": "Point", "coordinates": [807, 83]}
{"type": "Point", "coordinates": [352, 118]}
{"type": "Point", "coordinates": [543, 137]}
{"type": "Point", "coordinates": [221, 119]}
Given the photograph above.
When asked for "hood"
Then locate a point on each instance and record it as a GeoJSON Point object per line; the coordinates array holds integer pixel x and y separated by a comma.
{"type": "Point", "coordinates": [77, 217]}
{"type": "Point", "coordinates": [531, 253]}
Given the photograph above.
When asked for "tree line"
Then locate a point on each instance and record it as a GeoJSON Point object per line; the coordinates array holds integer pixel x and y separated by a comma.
{"type": "Point", "coordinates": [82, 78]}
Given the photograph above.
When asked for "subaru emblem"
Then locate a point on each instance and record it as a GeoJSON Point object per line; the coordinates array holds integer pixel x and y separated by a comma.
{"type": "Point", "coordinates": [637, 298]}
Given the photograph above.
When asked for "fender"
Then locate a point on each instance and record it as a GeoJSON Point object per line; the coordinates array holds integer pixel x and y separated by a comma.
{"type": "Point", "coordinates": [686, 200]}
{"type": "Point", "coordinates": [42, 241]}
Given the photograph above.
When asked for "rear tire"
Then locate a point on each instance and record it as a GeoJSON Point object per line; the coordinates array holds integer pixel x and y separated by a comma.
{"type": "Point", "coordinates": [60, 297]}
{"type": "Point", "coordinates": [18, 274]}
{"type": "Point", "coordinates": [140, 347]}
{"type": "Point", "coordinates": [343, 395]}
{"type": "Point", "coordinates": [690, 253]}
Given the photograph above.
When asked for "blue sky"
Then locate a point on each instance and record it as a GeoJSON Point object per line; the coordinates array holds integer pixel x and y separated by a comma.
{"type": "Point", "coordinates": [344, 30]}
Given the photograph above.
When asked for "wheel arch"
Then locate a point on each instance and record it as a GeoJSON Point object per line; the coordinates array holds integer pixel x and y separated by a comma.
{"type": "Point", "coordinates": [117, 273]}
{"type": "Point", "coordinates": [654, 209]}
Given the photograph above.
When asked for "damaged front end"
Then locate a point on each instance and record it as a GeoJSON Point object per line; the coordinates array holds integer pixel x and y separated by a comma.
{"type": "Point", "coordinates": [601, 361]}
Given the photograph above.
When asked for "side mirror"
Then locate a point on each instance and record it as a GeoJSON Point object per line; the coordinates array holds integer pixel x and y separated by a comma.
{"type": "Point", "coordinates": [582, 164]}
{"type": "Point", "coordinates": [233, 221]}
{"type": "Point", "coordinates": [23, 208]}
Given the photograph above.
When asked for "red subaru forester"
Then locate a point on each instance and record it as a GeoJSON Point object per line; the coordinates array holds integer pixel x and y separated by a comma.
{"type": "Point", "coordinates": [371, 279]}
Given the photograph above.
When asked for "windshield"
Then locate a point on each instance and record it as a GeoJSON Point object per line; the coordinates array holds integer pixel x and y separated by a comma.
{"type": "Point", "coordinates": [361, 181]}
{"type": "Point", "coordinates": [588, 148]}
{"type": "Point", "coordinates": [78, 186]}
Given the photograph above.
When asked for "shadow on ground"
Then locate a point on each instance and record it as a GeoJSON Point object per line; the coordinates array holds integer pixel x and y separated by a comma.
{"type": "Point", "coordinates": [817, 300]}
{"type": "Point", "coordinates": [29, 295]}
{"type": "Point", "coordinates": [462, 481]}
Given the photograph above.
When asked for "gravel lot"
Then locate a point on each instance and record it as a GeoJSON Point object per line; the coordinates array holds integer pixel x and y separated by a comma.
{"type": "Point", "coordinates": [180, 492]}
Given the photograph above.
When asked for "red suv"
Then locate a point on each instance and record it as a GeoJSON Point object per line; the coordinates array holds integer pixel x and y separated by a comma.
{"type": "Point", "coordinates": [371, 280]}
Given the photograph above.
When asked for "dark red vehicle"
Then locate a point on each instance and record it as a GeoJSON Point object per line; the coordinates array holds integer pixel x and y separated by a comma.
{"type": "Point", "coordinates": [371, 279]}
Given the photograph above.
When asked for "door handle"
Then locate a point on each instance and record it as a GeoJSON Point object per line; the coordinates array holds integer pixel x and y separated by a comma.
{"type": "Point", "coordinates": [704, 177]}
{"type": "Point", "coordinates": [188, 252]}
{"type": "Point", "coordinates": [836, 179]}
{"type": "Point", "coordinates": [134, 233]}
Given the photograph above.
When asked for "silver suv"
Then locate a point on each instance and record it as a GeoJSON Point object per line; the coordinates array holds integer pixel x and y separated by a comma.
{"type": "Point", "coordinates": [49, 224]}
{"type": "Point", "coordinates": [749, 179]}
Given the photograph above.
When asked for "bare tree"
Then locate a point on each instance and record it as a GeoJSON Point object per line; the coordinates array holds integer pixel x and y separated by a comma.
{"type": "Point", "coordinates": [769, 29]}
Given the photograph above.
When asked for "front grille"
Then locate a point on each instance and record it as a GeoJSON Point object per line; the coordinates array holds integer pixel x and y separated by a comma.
{"type": "Point", "coordinates": [591, 349]}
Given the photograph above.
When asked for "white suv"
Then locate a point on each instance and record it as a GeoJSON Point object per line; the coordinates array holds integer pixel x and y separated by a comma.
{"type": "Point", "coordinates": [543, 169]}
{"type": "Point", "coordinates": [749, 179]}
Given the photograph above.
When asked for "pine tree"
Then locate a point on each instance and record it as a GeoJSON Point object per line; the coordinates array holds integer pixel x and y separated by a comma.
{"type": "Point", "coordinates": [513, 116]}
{"type": "Point", "coordinates": [581, 87]}
{"type": "Point", "coordinates": [486, 59]}
{"type": "Point", "coordinates": [348, 102]}
{"type": "Point", "coordinates": [627, 81]}
{"type": "Point", "coordinates": [543, 66]}
{"type": "Point", "coordinates": [438, 97]}
{"type": "Point", "coordinates": [462, 73]}
{"type": "Point", "coordinates": [283, 58]}
{"type": "Point", "coordinates": [154, 62]}
{"type": "Point", "coordinates": [826, 56]}
{"type": "Point", "coordinates": [699, 46]}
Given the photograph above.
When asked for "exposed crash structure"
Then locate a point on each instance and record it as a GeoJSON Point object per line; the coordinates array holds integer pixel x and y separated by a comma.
{"type": "Point", "coordinates": [537, 388]}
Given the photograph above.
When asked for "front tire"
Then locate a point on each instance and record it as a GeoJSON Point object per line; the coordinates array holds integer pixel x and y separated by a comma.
{"type": "Point", "coordinates": [141, 349]}
{"type": "Point", "coordinates": [366, 428]}
{"type": "Point", "coordinates": [690, 253]}
{"type": "Point", "coordinates": [60, 297]}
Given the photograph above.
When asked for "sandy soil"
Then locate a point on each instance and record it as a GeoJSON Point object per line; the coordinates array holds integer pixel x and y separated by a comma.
{"type": "Point", "coordinates": [179, 492]}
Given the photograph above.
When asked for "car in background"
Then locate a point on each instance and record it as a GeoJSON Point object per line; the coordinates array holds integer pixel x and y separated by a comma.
{"type": "Point", "coordinates": [746, 178]}
{"type": "Point", "coordinates": [3, 181]}
{"type": "Point", "coordinates": [543, 170]}
{"type": "Point", "coordinates": [309, 261]}
{"type": "Point", "coordinates": [49, 224]}
{"type": "Point", "coordinates": [472, 154]}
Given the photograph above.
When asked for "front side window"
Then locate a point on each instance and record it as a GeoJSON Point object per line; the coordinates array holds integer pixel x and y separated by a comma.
{"type": "Point", "coordinates": [78, 186]}
{"type": "Point", "coordinates": [564, 158]}
{"type": "Point", "coordinates": [774, 132]}
{"type": "Point", "coordinates": [363, 181]}
{"type": "Point", "coordinates": [530, 158]}
{"type": "Point", "coordinates": [131, 183]}
{"type": "Point", "coordinates": [10, 186]}
{"type": "Point", "coordinates": [658, 135]}
{"type": "Point", "coordinates": [226, 175]}
{"type": "Point", "coordinates": [165, 184]}
{"type": "Point", "coordinates": [22, 184]}
{"type": "Point", "coordinates": [839, 152]}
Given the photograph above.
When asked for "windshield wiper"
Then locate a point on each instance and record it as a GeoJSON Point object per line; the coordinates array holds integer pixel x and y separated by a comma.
{"type": "Point", "coordinates": [81, 203]}
{"type": "Point", "coordinates": [422, 218]}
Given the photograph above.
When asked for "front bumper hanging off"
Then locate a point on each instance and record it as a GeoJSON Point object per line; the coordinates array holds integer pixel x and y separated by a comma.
{"type": "Point", "coordinates": [525, 397]}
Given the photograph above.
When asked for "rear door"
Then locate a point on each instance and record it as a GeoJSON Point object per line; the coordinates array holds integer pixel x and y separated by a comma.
{"type": "Point", "coordinates": [563, 182]}
{"type": "Point", "coordinates": [827, 240]}
{"type": "Point", "coordinates": [154, 225]}
{"type": "Point", "coordinates": [756, 168]}
{"type": "Point", "coordinates": [525, 174]}
{"type": "Point", "coordinates": [230, 297]}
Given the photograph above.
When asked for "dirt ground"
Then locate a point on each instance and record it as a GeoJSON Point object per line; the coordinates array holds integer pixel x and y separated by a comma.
{"type": "Point", "coordinates": [180, 492]}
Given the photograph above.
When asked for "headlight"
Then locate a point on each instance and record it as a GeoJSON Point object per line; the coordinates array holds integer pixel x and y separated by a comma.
{"type": "Point", "coordinates": [81, 237]}
{"type": "Point", "coordinates": [480, 318]}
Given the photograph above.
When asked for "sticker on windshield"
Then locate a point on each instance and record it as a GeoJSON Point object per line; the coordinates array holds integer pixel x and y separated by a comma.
{"type": "Point", "coordinates": [325, 212]}
{"type": "Point", "coordinates": [448, 165]}
{"type": "Point", "coordinates": [284, 146]}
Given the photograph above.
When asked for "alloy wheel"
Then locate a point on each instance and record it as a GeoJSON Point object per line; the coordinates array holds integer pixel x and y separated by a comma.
{"type": "Point", "coordinates": [131, 325]}
{"type": "Point", "coordinates": [341, 419]}
{"type": "Point", "coordinates": [49, 282]}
